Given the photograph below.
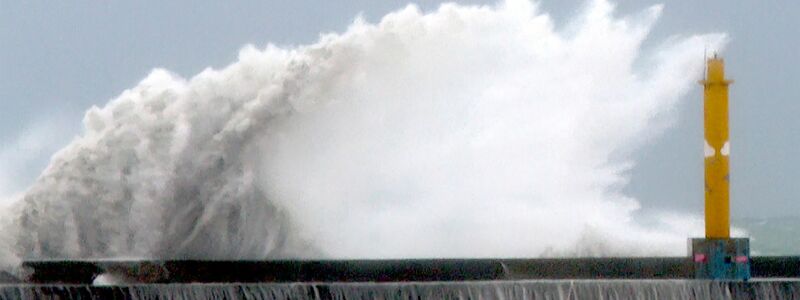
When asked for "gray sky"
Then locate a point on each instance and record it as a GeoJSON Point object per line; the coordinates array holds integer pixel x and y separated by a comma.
{"type": "Point", "coordinates": [59, 58]}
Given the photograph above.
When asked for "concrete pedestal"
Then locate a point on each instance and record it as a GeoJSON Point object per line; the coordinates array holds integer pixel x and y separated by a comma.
{"type": "Point", "coordinates": [721, 259]}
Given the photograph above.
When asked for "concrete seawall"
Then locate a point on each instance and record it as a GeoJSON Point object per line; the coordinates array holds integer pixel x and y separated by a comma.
{"type": "Point", "coordinates": [193, 271]}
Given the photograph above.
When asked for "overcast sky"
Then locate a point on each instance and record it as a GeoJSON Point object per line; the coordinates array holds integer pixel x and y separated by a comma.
{"type": "Point", "coordinates": [58, 58]}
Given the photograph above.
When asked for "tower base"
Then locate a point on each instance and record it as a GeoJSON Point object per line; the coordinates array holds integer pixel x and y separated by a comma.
{"type": "Point", "coordinates": [721, 259]}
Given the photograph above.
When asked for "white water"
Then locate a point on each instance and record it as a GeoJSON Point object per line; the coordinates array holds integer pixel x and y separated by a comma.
{"type": "Point", "coordinates": [463, 132]}
{"type": "Point", "coordinates": [523, 289]}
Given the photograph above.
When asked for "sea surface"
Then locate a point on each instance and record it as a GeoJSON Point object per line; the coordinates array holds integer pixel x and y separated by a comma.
{"type": "Point", "coordinates": [772, 236]}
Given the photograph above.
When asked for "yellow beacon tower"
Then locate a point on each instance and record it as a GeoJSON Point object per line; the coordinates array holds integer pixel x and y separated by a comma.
{"type": "Point", "coordinates": [716, 150]}
{"type": "Point", "coordinates": [718, 256]}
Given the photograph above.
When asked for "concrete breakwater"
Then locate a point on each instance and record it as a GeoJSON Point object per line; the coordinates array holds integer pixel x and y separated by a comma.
{"type": "Point", "coordinates": [567, 278]}
{"type": "Point", "coordinates": [198, 271]}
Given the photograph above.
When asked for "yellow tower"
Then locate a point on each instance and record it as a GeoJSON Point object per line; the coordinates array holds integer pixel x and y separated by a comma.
{"type": "Point", "coordinates": [718, 256]}
{"type": "Point", "coordinates": [717, 149]}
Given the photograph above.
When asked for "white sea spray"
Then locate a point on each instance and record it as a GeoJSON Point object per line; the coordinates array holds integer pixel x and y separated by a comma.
{"type": "Point", "coordinates": [469, 131]}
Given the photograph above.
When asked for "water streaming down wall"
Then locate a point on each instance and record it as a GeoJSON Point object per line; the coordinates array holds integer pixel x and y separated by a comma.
{"type": "Point", "coordinates": [555, 289]}
{"type": "Point", "coordinates": [463, 132]}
